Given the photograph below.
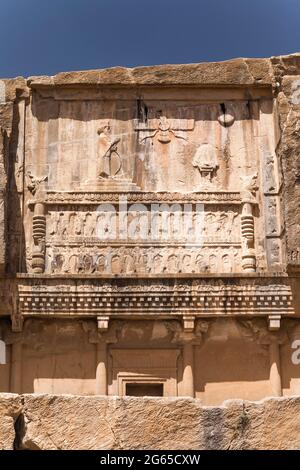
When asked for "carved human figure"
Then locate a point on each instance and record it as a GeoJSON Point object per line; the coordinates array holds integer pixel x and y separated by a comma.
{"type": "Point", "coordinates": [78, 225]}
{"type": "Point", "coordinates": [156, 223]}
{"type": "Point", "coordinates": [116, 264]}
{"type": "Point", "coordinates": [73, 263]}
{"type": "Point", "coordinates": [142, 264]}
{"type": "Point", "coordinates": [200, 265]}
{"type": "Point", "coordinates": [87, 264]}
{"type": "Point", "coordinates": [165, 225]}
{"type": "Point", "coordinates": [269, 173]}
{"type": "Point", "coordinates": [72, 221]}
{"type": "Point", "coordinates": [213, 263]}
{"type": "Point", "coordinates": [226, 264]}
{"type": "Point", "coordinates": [138, 224]}
{"type": "Point", "coordinates": [110, 164]}
{"type": "Point", "coordinates": [144, 224]}
{"type": "Point", "coordinates": [220, 224]}
{"type": "Point", "coordinates": [129, 264]}
{"type": "Point", "coordinates": [198, 224]}
{"type": "Point", "coordinates": [275, 252]}
{"type": "Point", "coordinates": [62, 226]}
{"type": "Point", "coordinates": [236, 260]}
{"type": "Point", "coordinates": [80, 264]}
{"type": "Point", "coordinates": [100, 265]}
{"type": "Point", "coordinates": [172, 264]}
{"type": "Point", "coordinates": [188, 225]}
{"type": "Point", "coordinates": [54, 222]}
{"type": "Point", "coordinates": [210, 224]}
{"type": "Point", "coordinates": [57, 263]}
{"type": "Point", "coordinates": [272, 215]}
{"type": "Point", "coordinates": [231, 223]}
{"type": "Point", "coordinates": [157, 264]}
{"type": "Point", "coordinates": [175, 223]}
{"type": "Point", "coordinates": [102, 225]}
{"type": "Point", "coordinates": [89, 225]}
{"type": "Point", "coordinates": [187, 263]}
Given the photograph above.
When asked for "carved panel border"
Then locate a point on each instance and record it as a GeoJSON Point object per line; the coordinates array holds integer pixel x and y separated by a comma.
{"type": "Point", "coordinates": [85, 197]}
{"type": "Point", "coordinates": [163, 297]}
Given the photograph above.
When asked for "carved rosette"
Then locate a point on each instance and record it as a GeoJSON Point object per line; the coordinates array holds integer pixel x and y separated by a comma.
{"type": "Point", "coordinates": [39, 239]}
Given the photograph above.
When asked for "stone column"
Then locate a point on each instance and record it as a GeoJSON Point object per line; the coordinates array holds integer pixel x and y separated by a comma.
{"type": "Point", "coordinates": [16, 368]}
{"type": "Point", "coordinates": [275, 376]}
{"type": "Point", "coordinates": [247, 222]}
{"type": "Point", "coordinates": [188, 370]}
{"type": "Point", "coordinates": [101, 369]}
{"type": "Point", "coordinates": [247, 227]}
{"type": "Point", "coordinates": [39, 238]}
{"type": "Point", "coordinates": [3, 180]}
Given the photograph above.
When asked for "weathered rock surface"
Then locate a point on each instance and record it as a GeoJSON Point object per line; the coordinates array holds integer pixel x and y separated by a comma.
{"type": "Point", "coordinates": [67, 422]}
{"type": "Point", "coordinates": [10, 409]}
{"type": "Point", "coordinates": [73, 422]}
{"type": "Point", "coordinates": [231, 72]}
{"type": "Point", "coordinates": [288, 150]}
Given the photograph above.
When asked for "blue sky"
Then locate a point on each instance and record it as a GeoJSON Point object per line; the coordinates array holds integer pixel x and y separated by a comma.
{"type": "Point", "coordinates": [48, 36]}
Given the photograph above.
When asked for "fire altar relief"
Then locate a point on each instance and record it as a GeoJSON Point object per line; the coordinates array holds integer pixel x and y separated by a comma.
{"type": "Point", "coordinates": [142, 188]}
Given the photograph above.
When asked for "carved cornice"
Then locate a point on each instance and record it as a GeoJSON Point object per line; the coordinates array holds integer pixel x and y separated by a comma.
{"type": "Point", "coordinates": [160, 197]}
{"type": "Point", "coordinates": [151, 297]}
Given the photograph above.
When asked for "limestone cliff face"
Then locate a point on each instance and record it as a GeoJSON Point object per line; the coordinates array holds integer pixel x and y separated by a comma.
{"type": "Point", "coordinates": [71, 422]}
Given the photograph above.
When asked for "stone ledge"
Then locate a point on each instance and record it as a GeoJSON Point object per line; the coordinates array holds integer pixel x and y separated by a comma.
{"type": "Point", "coordinates": [233, 73]}
{"type": "Point", "coordinates": [239, 72]}
{"type": "Point", "coordinates": [173, 276]}
{"type": "Point", "coordinates": [96, 422]}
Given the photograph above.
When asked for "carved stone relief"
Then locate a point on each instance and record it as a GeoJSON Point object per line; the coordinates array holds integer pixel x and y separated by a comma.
{"type": "Point", "coordinates": [205, 160]}
{"type": "Point", "coordinates": [89, 241]}
{"type": "Point", "coordinates": [212, 226]}
{"type": "Point", "coordinates": [36, 178]}
{"type": "Point", "coordinates": [140, 260]}
{"type": "Point", "coordinates": [110, 164]}
{"type": "Point", "coordinates": [163, 129]}
{"type": "Point", "coordinates": [165, 152]}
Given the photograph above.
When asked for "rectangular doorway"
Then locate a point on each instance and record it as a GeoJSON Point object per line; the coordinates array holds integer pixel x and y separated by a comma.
{"type": "Point", "coordinates": [144, 389]}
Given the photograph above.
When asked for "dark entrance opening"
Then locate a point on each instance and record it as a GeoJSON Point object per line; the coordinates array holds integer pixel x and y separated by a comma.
{"type": "Point", "coordinates": [144, 390]}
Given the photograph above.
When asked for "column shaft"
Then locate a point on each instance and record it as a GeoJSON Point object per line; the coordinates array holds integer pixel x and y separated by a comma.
{"type": "Point", "coordinates": [275, 376]}
{"type": "Point", "coordinates": [188, 370]}
{"type": "Point", "coordinates": [16, 368]}
{"type": "Point", "coordinates": [101, 369]}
